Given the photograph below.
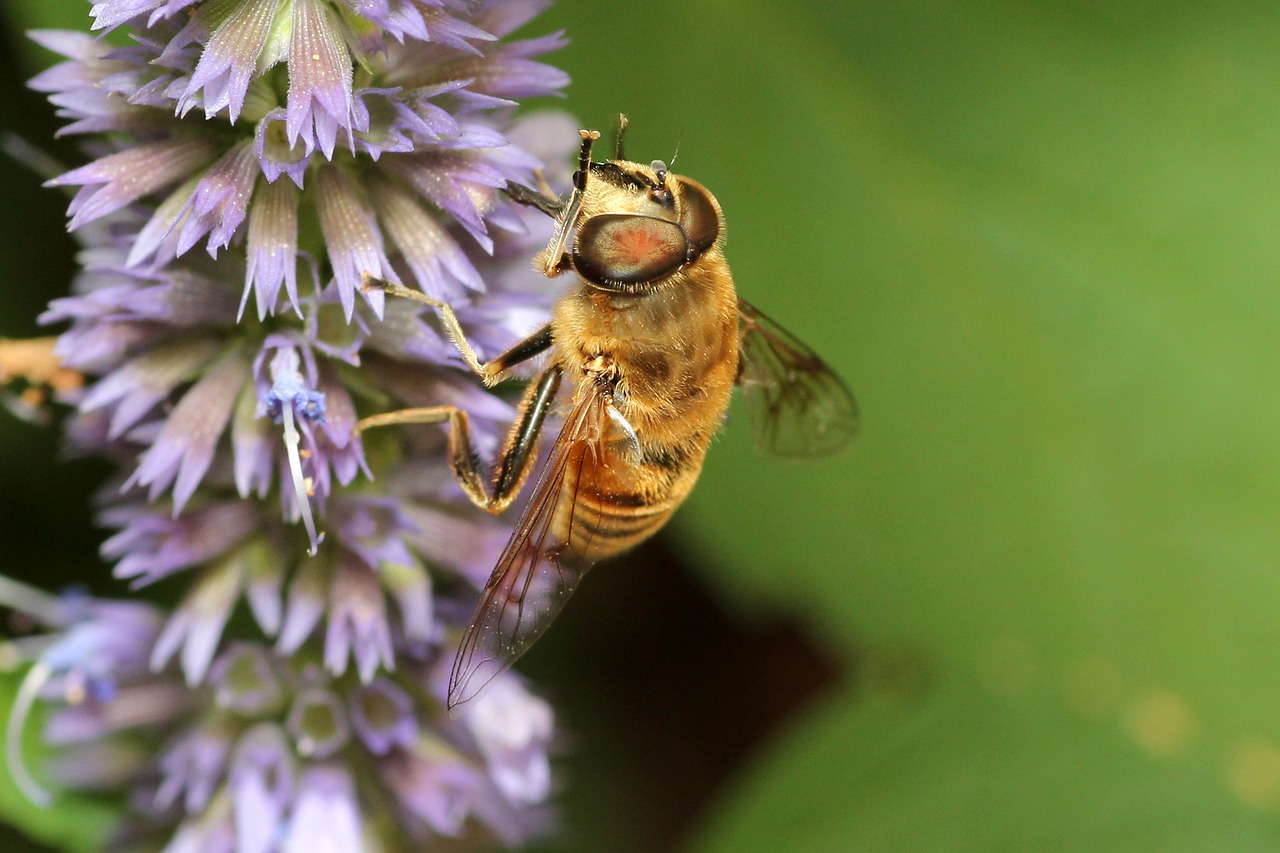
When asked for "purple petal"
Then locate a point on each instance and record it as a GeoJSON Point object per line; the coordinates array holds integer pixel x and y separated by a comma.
{"type": "Point", "coordinates": [339, 422]}
{"type": "Point", "coordinates": [138, 706]}
{"type": "Point", "coordinates": [227, 64]}
{"type": "Point", "coordinates": [118, 179]}
{"type": "Point", "coordinates": [154, 545]}
{"type": "Point", "coordinates": [109, 14]}
{"type": "Point", "coordinates": [504, 18]}
{"type": "Point", "coordinates": [326, 817]}
{"type": "Point", "coordinates": [252, 446]}
{"type": "Point", "coordinates": [435, 530]}
{"type": "Point", "coordinates": [273, 247]}
{"type": "Point", "coordinates": [140, 384]}
{"type": "Point", "coordinates": [101, 767]}
{"type": "Point", "coordinates": [158, 238]}
{"type": "Point", "coordinates": [357, 623]}
{"type": "Point", "coordinates": [262, 779]}
{"type": "Point", "coordinates": [184, 450]}
{"type": "Point", "coordinates": [307, 597]}
{"type": "Point", "coordinates": [438, 788]}
{"type": "Point", "coordinates": [427, 248]}
{"type": "Point", "coordinates": [352, 239]}
{"type": "Point", "coordinates": [320, 99]}
{"type": "Point", "coordinates": [220, 200]}
{"type": "Point", "coordinates": [462, 185]}
{"type": "Point", "coordinates": [194, 764]}
{"type": "Point", "coordinates": [196, 626]}
{"type": "Point", "coordinates": [383, 716]}
{"type": "Point", "coordinates": [266, 576]}
{"type": "Point", "coordinates": [511, 727]}
{"type": "Point", "coordinates": [276, 154]}
{"type": "Point", "coordinates": [410, 584]}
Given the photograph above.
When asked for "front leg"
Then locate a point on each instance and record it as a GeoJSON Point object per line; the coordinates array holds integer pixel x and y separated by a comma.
{"type": "Point", "coordinates": [518, 451]}
{"type": "Point", "coordinates": [490, 372]}
{"type": "Point", "coordinates": [541, 198]}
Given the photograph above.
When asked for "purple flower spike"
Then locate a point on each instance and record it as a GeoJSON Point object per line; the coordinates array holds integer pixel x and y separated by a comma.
{"type": "Point", "coordinates": [314, 148]}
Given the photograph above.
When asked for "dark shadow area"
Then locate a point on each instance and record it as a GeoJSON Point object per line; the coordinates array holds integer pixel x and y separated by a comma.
{"type": "Point", "coordinates": [13, 841]}
{"type": "Point", "coordinates": [46, 535]}
{"type": "Point", "coordinates": [664, 695]}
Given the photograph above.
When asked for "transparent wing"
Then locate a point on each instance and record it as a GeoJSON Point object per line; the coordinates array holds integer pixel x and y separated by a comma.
{"type": "Point", "coordinates": [542, 563]}
{"type": "Point", "coordinates": [799, 407]}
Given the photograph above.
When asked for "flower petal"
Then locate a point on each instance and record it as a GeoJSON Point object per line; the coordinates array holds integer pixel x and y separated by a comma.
{"type": "Point", "coordinates": [184, 449]}
{"type": "Point", "coordinates": [320, 100]}
{"type": "Point", "coordinates": [229, 59]}
{"type": "Point", "coordinates": [352, 239]}
{"type": "Point", "coordinates": [116, 180]}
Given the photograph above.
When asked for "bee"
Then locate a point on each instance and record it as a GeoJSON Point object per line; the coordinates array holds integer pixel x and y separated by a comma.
{"type": "Point", "coordinates": [652, 339]}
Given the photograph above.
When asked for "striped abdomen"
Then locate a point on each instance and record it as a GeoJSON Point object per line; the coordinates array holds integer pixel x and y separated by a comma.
{"type": "Point", "coordinates": [620, 502]}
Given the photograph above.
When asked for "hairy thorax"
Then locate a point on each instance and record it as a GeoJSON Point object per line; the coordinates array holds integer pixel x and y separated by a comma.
{"type": "Point", "coordinates": [670, 358]}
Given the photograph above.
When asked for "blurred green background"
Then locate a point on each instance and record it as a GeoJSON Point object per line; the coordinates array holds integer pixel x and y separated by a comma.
{"type": "Point", "coordinates": [1037, 606]}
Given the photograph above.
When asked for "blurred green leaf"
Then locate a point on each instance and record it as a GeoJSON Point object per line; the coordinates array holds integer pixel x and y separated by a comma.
{"type": "Point", "coordinates": [1038, 241]}
{"type": "Point", "coordinates": [71, 823]}
{"type": "Point", "coordinates": [25, 15]}
{"type": "Point", "coordinates": [964, 772]}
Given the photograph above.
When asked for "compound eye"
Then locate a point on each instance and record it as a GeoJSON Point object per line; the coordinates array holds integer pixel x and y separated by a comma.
{"type": "Point", "coordinates": [623, 248]}
{"type": "Point", "coordinates": [699, 216]}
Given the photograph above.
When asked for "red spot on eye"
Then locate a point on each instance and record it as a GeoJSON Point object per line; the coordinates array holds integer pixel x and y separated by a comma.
{"type": "Point", "coordinates": [641, 244]}
{"type": "Point", "coordinates": [625, 248]}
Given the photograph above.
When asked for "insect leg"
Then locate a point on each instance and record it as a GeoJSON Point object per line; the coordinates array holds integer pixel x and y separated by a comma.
{"type": "Point", "coordinates": [541, 198]}
{"type": "Point", "coordinates": [522, 442]}
{"type": "Point", "coordinates": [584, 158]}
{"type": "Point", "coordinates": [491, 371]}
{"type": "Point", "coordinates": [517, 453]}
{"type": "Point", "coordinates": [617, 139]}
{"type": "Point", "coordinates": [536, 344]}
{"type": "Point", "coordinates": [556, 261]}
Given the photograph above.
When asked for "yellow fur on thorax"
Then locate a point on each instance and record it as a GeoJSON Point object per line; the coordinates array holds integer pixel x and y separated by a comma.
{"type": "Point", "coordinates": [692, 323]}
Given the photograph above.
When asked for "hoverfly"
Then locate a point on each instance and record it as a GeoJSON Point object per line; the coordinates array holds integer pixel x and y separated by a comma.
{"type": "Point", "coordinates": [652, 338]}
